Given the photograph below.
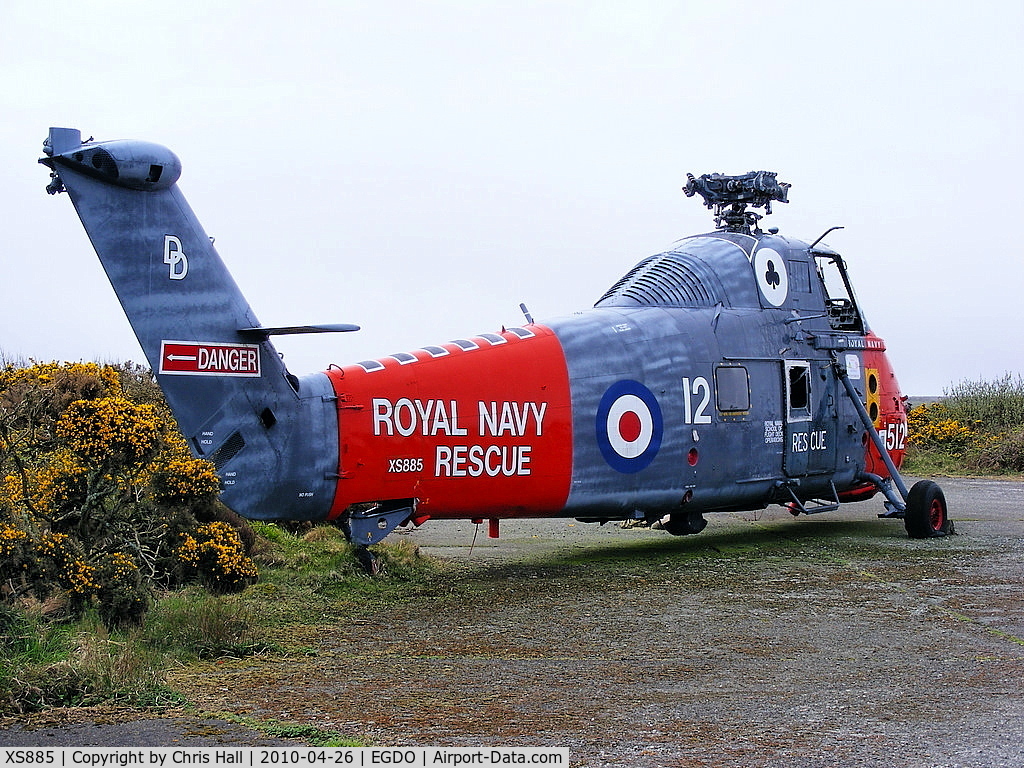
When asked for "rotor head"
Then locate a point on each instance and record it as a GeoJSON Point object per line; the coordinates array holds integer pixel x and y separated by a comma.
{"type": "Point", "coordinates": [729, 196]}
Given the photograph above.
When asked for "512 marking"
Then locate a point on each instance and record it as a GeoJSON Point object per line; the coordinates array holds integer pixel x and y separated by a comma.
{"type": "Point", "coordinates": [894, 436]}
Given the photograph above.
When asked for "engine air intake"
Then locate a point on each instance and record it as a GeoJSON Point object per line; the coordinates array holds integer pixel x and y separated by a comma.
{"type": "Point", "coordinates": [668, 279]}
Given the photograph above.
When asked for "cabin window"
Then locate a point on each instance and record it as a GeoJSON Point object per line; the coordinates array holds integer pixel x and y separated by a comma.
{"type": "Point", "coordinates": [798, 391]}
{"type": "Point", "coordinates": [732, 389]}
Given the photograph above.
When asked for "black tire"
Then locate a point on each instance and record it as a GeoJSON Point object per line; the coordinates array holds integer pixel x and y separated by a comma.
{"type": "Point", "coordinates": [927, 515]}
{"type": "Point", "coordinates": [685, 524]}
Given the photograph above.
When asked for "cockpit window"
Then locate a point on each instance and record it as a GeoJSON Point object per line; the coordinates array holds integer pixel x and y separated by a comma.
{"type": "Point", "coordinates": [843, 313]}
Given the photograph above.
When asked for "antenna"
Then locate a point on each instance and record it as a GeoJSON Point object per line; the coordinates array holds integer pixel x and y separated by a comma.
{"type": "Point", "coordinates": [823, 236]}
{"type": "Point", "coordinates": [526, 313]}
{"type": "Point", "coordinates": [729, 197]}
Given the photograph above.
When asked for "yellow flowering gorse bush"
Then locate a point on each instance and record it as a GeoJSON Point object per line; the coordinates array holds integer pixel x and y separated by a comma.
{"type": "Point", "coordinates": [63, 560]}
{"type": "Point", "coordinates": [216, 553]}
{"type": "Point", "coordinates": [98, 489]}
{"type": "Point", "coordinates": [11, 540]}
{"type": "Point", "coordinates": [183, 481]}
{"type": "Point", "coordinates": [933, 426]}
{"type": "Point", "coordinates": [111, 432]}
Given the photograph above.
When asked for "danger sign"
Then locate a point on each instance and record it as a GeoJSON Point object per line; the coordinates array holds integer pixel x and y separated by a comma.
{"type": "Point", "coordinates": [197, 358]}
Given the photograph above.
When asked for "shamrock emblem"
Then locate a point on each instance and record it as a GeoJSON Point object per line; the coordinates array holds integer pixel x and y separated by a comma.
{"type": "Point", "coordinates": [772, 277]}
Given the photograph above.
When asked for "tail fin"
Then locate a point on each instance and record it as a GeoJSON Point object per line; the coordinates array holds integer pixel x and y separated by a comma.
{"type": "Point", "coordinates": [273, 438]}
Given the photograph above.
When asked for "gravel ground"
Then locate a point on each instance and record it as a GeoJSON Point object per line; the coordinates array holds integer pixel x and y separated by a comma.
{"type": "Point", "coordinates": [764, 641]}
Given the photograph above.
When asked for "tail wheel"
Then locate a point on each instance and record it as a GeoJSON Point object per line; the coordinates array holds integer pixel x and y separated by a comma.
{"type": "Point", "coordinates": [927, 514]}
{"type": "Point", "coordinates": [370, 563]}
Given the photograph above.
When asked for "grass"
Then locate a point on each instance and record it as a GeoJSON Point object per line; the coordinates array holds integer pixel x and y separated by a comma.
{"type": "Point", "coordinates": [923, 462]}
{"type": "Point", "coordinates": [312, 735]}
{"type": "Point", "coordinates": [192, 625]}
{"type": "Point", "coordinates": [311, 577]}
{"type": "Point", "coordinates": [307, 579]}
{"type": "Point", "coordinates": [45, 664]}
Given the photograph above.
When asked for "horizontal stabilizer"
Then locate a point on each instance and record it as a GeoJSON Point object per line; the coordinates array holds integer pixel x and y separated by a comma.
{"type": "Point", "coordinates": [262, 333]}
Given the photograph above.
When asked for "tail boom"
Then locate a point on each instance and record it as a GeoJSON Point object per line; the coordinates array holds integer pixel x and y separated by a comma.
{"type": "Point", "coordinates": [272, 436]}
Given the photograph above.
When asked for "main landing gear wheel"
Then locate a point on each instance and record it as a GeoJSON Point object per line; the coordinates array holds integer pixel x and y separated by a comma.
{"type": "Point", "coordinates": [685, 523]}
{"type": "Point", "coordinates": [927, 515]}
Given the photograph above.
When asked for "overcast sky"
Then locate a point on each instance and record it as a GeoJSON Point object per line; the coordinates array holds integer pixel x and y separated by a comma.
{"type": "Point", "coordinates": [421, 168]}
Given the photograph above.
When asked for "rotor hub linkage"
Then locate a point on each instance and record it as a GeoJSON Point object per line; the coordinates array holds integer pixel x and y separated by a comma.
{"type": "Point", "coordinates": [729, 196]}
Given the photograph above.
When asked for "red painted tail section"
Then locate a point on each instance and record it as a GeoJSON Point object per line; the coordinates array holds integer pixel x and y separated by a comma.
{"type": "Point", "coordinates": [470, 428]}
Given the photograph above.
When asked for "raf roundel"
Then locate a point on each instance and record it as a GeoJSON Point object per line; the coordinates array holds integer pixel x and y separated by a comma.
{"type": "Point", "coordinates": [629, 426]}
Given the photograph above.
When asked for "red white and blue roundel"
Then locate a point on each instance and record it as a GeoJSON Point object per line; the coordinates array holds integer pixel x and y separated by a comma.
{"type": "Point", "coordinates": [629, 426]}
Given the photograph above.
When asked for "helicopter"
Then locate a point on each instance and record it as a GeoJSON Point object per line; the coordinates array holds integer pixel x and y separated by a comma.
{"type": "Point", "coordinates": [733, 371]}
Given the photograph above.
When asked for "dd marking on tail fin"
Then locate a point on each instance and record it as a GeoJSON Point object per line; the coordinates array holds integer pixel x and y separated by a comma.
{"type": "Point", "coordinates": [175, 258]}
{"type": "Point", "coordinates": [198, 358]}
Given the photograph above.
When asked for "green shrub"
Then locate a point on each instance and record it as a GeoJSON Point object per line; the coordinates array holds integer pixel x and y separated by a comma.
{"type": "Point", "coordinates": [1000, 453]}
{"type": "Point", "coordinates": [993, 405]}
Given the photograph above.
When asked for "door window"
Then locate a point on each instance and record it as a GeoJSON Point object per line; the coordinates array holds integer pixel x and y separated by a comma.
{"type": "Point", "coordinates": [798, 391]}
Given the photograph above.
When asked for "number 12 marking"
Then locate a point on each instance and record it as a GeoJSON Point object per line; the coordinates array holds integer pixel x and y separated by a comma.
{"type": "Point", "coordinates": [699, 388]}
